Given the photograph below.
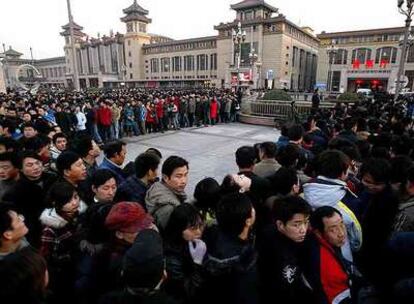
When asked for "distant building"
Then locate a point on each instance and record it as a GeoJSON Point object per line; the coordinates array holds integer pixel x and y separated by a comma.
{"type": "Point", "coordinates": [52, 70]}
{"type": "Point", "coordinates": [285, 53]}
{"type": "Point", "coordinates": [364, 59]}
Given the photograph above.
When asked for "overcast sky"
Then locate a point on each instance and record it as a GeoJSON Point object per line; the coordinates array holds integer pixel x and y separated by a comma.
{"type": "Point", "coordinates": [37, 23]}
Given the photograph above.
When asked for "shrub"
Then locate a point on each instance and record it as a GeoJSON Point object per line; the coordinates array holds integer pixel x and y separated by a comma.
{"type": "Point", "coordinates": [349, 97]}
{"type": "Point", "coordinates": [277, 95]}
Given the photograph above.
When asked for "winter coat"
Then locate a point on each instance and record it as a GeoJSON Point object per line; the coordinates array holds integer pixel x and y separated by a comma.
{"type": "Point", "coordinates": [29, 198]}
{"type": "Point", "coordinates": [229, 270]}
{"type": "Point", "coordinates": [105, 116]}
{"type": "Point", "coordinates": [266, 167]}
{"type": "Point", "coordinates": [404, 220]}
{"type": "Point", "coordinates": [214, 108]}
{"type": "Point", "coordinates": [326, 270]}
{"type": "Point", "coordinates": [191, 106]}
{"type": "Point", "coordinates": [327, 192]}
{"type": "Point", "coordinates": [132, 190]}
{"type": "Point", "coordinates": [116, 170]}
{"type": "Point", "coordinates": [280, 267]}
{"type": "Point", "coordinates": [116, 113]}
{"type": "Point", "coordinates": [184, 276]}
{"type": "Point", "coordinates": [161, 201]}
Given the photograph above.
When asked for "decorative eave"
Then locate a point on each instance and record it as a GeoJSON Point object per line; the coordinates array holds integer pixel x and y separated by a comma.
{"type": "Point", "coordinates": [12, 53]}
{"type": "Point", "coordinates": [231, 25]}
{"type": "Point", "coordinates": [391, 30]}
{"type": "Point", "coordinates": [75, 26]}
{"type": "Point", "coordinates": [252, 4]}
{"type": "Point", "coordinates": [136, 17]}
{"type": "Point", "coordinates": [75, 33]}
{"type": "Point", "coordinates": [135, 8]}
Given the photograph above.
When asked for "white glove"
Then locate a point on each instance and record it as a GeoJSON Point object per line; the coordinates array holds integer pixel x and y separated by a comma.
{"type": "Point", "coordinates": [243, 182]}
{"type": "Point", "coordinates": [197, 250]}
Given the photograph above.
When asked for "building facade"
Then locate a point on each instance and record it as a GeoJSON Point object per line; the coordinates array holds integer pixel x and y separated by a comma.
{"type": "Point", "coordinates": [16, 69]}
{"type": "Point", "coordinates": [275, 53]}
{"type": "Point", "coordinates": [363, 59]}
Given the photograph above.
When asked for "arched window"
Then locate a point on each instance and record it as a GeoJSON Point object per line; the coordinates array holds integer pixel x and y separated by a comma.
{"type": "Point", "coordinates": [361, 55]}
{"type": "Point", "coordinates": [386, 54]}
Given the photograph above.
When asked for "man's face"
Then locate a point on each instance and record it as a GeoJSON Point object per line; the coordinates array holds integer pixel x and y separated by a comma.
{"type": "Point", "coordinates": [27, 117]}
{"type": "Point", "coordinates": [41, 112]}
{"type": "Point", "coordinates": [95, 150]}
{"type": "Point", "coordinates": [12, 113]}
{"type": "Point", "coordinates": [17, 229]}
{"type": "Point", "coordinates": [29, 132]}
{"type": "Point", "coordinates": [178, 179]}
{"type": "Point", "coordinates": [120, 157]}
{"type": "Point", "coordinates": [77, 171]}
{"type": "Point", "coordinates": [8, 171]}
{"type": "Point", "coordinates": [105, 193]}
{"type": "Point", "coordinates": [32, 168]}
{"type": "Point", "coordinates": [61, 143]}
{"type": "Point", "coordinates": [296, 228]}
{"type": "Point", "coordinates": [335, 231]}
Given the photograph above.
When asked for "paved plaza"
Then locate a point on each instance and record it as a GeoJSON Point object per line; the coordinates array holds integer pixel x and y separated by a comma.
{"type": "Point", "coordinates": [209, 150]}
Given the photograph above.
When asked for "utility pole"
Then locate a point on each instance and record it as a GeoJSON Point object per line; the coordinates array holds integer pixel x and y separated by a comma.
{"type": "Point", "coordinates": [72, 45]}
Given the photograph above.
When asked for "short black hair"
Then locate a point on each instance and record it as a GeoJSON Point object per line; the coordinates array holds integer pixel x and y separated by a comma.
{"type": "Point", "coordinates": [58, 135]}
{"type": "Point", "coordinates": [349, 123]}
{"type": "Point", "coordinates": [112, 148]}
{"type": "Point", "coordinates": [101, 176]}
{"type": "Point", "coordinates": [207, 194]}
{"type": "Point", "coordinates": [27, 154]}
{"type": "Point", "coordinates": [13, 158]}
{"type": "Point", "coordinates": [154, 151]}
{"type": "Point", "coordinates": [60, 194]}
{"type": "Point", "coordinates": [245, 157]}
{"type": "Point", "coordinates": [5, 218]}
{"type": "Point", "coordinates": [82, 145]}
{"type": "Point", "coordinates": [378, 168]}
{"type": "Point", "coordinates": [316, 219]}
{"type": "Point", "coordinates": [288, 156]}
{"type": "Point", "coordinates": [332, 164]}
{"type": "Point", "coordinates": [400, 166]}
{"type": "Point", "coordinates": [9, 124]}
{"type": "Point", "coordinates": [295, 132]}
{"type": "Point", "coordinates": [144, 162]}
{"type": "Point", "coordinates": [183, 216]}
{"type": "Point", "coordinates": [9, 143]}
{"type": "Point", "coordinates": [28, 125]}
{"type": "Point", "coordinates": [232, 212]}
{"type": "Point", "coordinates": [36, 143]}
{"type": "Point", "coordinates": [286, 207]}
{"type": "Point", "coordinates": [269, 149]}
{"type": "Point", "coordinates": [172, 163]}
{"type": "Point", "coordinates": [65, 160]}
{"type": "Point", "coordinates": [346, 146]}
{"type": "Point", "coordinates": [283, 180]}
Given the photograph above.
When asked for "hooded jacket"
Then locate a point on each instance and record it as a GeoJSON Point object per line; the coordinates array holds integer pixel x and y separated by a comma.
{"type": "Point", "coordinates": [161, 201]}
{"type": "Point", "coordinates": [335, 193]}
{"type": "Point", "coordinates": [230, 270]}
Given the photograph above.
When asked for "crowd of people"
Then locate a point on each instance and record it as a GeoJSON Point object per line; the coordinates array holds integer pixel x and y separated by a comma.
{"type": "Point", "coordinates": [323, 214]}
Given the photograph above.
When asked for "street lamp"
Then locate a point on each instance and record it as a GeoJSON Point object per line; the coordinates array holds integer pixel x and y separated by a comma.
{"type": "Point", "coordinates": [331, 51]}
{"type": "Point", "coordinates": [408, 12]}
{"type": "Point", "coordinates": [239, 36]}
{"type": "Point", "coordinates": [253, 58]}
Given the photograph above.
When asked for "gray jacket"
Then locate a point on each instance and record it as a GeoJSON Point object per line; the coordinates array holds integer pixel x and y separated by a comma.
{"type": "Point", "coordinates": [404, 220]}
{"type": "Point", "coordinates": [266, 167]}
{"type": "Point", "coordinates": [161, 201]}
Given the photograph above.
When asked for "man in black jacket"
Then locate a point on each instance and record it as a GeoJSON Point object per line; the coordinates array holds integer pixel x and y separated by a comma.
{"type": "Point", "coordinates": [280, 263]}
{"type": "Point", "coordinates": [29, 193]}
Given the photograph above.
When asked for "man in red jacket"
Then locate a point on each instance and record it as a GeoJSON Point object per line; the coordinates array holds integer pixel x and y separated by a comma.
{"type": "Point", "coordinates": [326, 270]}
{"type": "Point", "coordinates": [105, 121]}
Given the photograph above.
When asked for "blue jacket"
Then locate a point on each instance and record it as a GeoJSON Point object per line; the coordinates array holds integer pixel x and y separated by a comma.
{"type": "Point", "coordinates": [118, 172]}
{"type": "Point", "coordinates": [132, 190]}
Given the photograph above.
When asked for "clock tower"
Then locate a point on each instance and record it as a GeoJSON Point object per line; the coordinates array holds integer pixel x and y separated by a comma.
{"type": "Point", "coordinates": [136, 36]}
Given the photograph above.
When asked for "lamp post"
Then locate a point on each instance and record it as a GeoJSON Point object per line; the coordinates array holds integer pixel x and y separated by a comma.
{"type": "Point", "coordinates": [239, 36]}
{"type": "Point", "coordinates": [253, 59]}
{"type": "Point", "coordinates": [408, 12]}
{"type": "Point", "coordinates": [331, 51]}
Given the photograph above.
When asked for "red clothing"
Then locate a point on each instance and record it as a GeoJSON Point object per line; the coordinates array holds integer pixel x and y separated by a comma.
{"type": "Point", "coordinates": [105, 116]}
{"type": "Point", "coordinates": [150, 118]}
{"type": "Point", "coordinates": [213, 109]}
{"type": "Point", "coordinates": [160, 109]}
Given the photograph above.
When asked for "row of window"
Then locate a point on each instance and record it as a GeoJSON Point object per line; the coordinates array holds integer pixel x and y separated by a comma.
{"type": "Point", "coordinates": [181, 47]}
{"type": "Point", "coordinates": [367, 38]}
{"type": "Point", "coordinates": [200, 62]}
{"type": "Point", "coordinates": [53, 72]}
{"type": "Point", "coordinates": [294, 32]}
{"type": "Point", "coordinates": [362, 55]}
